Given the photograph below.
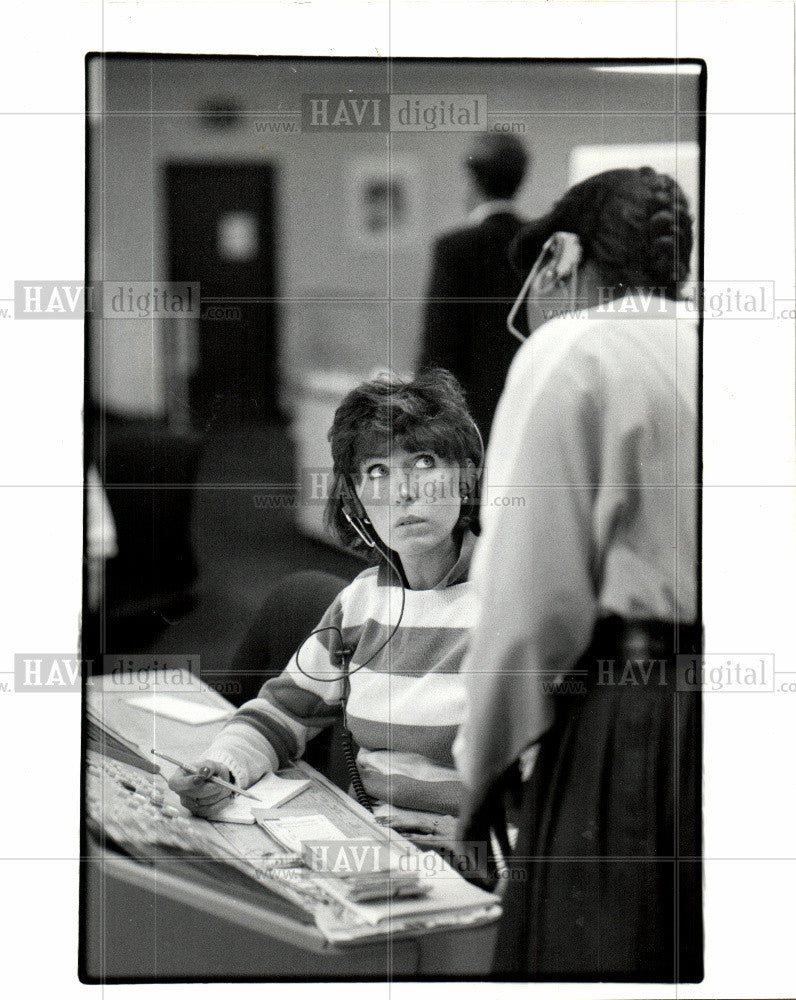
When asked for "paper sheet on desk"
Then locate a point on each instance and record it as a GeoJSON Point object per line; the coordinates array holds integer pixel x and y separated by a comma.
{"type": "Point", "coordinates": [192, 712]}
{"type": "Point", "coordinates": [271, 790]}
{"type": "Point", "coordinates": [293, 831]}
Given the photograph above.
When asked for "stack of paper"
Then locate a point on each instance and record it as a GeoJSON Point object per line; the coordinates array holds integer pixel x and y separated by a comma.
{"type": "Point", "coordinates": [447, 899]}
{"type": "Point", "coordinates": [363, 869]}
{"type": "Point", "coordinates": [353, 869]}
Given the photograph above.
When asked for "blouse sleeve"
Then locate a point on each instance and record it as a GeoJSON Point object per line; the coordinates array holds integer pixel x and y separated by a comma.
{"type": "Point", "coordinates": [533, 570]}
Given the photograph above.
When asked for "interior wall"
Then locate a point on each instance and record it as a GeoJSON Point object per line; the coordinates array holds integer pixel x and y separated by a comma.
{"type": "Point", "coordinates": [346, 304]}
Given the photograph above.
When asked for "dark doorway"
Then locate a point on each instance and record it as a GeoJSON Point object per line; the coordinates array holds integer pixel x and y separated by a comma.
{"type": "Point", "coordinates": [221, 234]}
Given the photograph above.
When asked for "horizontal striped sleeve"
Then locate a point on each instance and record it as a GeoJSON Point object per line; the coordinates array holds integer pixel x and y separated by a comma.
{"type": "Point", "coordinates": [296, 703]}
{"type": "Point", "coordinates": [246, 759]}
{"type": "Point", "coordinates": [313, 669]}
{"type": "Point", "coordinates": [271, 730]}
{"type": "Point", "coordinates": [264, 723]}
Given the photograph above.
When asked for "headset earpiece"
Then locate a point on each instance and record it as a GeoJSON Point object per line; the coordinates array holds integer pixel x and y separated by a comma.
{"type": "Point", "coordinates": [468, 484]}
{"type": "Point", "coordinates": [351, 502]}
{"type": "Point", "coordinates": [360, 529]}
{"type": "Point", "coordinates": [557, 262]}
{"type": "Point", "coordinates": [355, 514]}
{"type": "Point", "coordinates": [478, 466]}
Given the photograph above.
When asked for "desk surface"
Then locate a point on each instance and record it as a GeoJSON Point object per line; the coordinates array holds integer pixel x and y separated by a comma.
{"type": "Point", "coordinates": [145, 924]}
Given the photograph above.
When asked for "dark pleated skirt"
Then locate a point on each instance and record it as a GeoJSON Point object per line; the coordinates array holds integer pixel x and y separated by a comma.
{"type": "Point", "coordinates": [606, 878]}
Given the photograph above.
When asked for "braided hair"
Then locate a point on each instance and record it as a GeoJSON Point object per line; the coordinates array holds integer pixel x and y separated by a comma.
{"type": "Point", "coordinates": [634, 226]}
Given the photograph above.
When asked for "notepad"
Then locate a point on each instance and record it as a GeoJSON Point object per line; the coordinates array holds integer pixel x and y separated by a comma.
{"type": "Point", "coordinates": [271, 790]}
{"type": "Point", "coordinates": [192, 712]}
{"type": "Point", "coordinates": [292, 831]}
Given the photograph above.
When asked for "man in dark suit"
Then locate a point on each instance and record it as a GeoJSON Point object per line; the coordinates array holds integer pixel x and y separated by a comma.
{"type": "Point", "coordinates": [472, 283]}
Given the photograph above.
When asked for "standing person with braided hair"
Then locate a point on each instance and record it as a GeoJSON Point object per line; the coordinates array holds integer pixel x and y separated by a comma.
{"type": "Point", "coordinates": [587, 575]}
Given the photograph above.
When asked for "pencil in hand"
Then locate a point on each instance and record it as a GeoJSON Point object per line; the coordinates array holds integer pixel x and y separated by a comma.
{"type": "Point", "coordinates": [206, 774]}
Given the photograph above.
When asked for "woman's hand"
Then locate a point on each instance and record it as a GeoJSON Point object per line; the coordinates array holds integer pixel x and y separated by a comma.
{"type": "Point", "coordinates": [195, 791]}
{"type": "Point", "coordinates": [414, 821]}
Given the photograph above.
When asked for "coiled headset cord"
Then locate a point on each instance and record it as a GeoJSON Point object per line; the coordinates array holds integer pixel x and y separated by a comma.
{"type": "Point", "coordinates": [343, 660]}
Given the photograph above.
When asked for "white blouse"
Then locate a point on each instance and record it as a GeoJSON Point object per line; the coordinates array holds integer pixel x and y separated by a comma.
{"type": "Point", "coordinates": [589, 509]}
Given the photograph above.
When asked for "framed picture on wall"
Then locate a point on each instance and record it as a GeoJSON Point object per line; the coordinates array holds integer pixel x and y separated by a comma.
{"type": "Point", "coordinates": [385, 201]}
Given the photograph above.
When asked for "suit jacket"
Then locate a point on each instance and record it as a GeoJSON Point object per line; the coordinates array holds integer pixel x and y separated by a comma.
{"type": "Point", "coordinates": [470, 293]}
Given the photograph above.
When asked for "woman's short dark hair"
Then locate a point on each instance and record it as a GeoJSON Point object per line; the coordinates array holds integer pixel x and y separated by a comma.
{"type": "Point", "coordinates": [634, 226]}
{"type": "Point", "coordinates": [427, 413]}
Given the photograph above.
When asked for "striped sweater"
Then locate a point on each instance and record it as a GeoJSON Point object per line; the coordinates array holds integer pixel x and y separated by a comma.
{"type": "Point", "coordinates": [404, 706]}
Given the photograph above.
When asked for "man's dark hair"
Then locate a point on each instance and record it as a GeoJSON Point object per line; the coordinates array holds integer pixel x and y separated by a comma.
{"type": "Point", "coordinates": [498, 162]}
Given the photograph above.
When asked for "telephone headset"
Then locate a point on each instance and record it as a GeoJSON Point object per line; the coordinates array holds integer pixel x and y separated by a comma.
{"type": "Point", "coordinates": [356, 515]}
{"type": "Point", "coordinates": [558, 261]}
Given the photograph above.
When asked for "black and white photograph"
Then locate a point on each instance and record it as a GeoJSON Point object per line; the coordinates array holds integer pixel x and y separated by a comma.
{"type": "Point", "coordinates": [363, 537]}
{"type": "Point", "coordinates": [427, 448]}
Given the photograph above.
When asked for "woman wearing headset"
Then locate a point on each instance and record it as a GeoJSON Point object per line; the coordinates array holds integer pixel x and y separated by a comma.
{"type": "Point", "coordinates": [406, 463]}
{"type": "Point", "coordinates": [587, 572]}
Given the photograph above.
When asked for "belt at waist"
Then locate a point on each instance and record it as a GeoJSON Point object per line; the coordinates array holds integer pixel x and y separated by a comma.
{"type": "Point", "coordinates": [632, 652]}
{"type": "Point", "coordinates": [633, 638]}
